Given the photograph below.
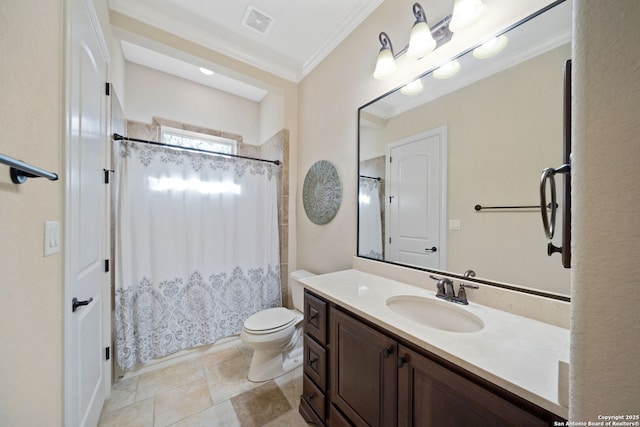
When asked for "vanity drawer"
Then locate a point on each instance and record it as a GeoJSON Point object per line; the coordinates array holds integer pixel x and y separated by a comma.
{"type": "Point", "coordinates": [313, 396]}
{"type": "Point", "coordinates": [315, 362]}
{"type": "Point", "coordinates": [315, 317]}
{"type": "Point", "coordinates": [308, 414]}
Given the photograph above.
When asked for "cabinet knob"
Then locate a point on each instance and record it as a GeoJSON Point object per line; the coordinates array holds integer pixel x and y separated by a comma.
{"type": "Point", "coordinates": [313, 315]}
{"type": "Point", "coordinates": [310, 396]}
{"type": "Point", "coordinates": [401, 361]}
{"type": "Point", "coordinates": [312, 361]}
{"type": "Point", "coordinates": [387, 352]}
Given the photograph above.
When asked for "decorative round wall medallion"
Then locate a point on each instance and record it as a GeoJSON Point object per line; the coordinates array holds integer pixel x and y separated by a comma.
{"type": "Point", "coordinates": [322, 192]}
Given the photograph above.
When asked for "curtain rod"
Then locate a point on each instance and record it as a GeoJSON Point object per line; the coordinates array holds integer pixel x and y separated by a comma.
{"type": "Point", "coordinates": [118, 137]}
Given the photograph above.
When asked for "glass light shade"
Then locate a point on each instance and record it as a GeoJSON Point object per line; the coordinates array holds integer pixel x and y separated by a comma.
{"type": "Point", "coordinates": [447, 70]}
{"type": "Point", "coordinates": [421, 42]}
{"type": "Point", "coordinates": [466, 13]}
{"type": "Point", "coordinates": [206, 71]}
{"type": "Point", "coordinates": [490, 48]}
{"type": "Point", "coordinates": [386, 65]}
{"type": "Point", "coordinates": [413, 88]}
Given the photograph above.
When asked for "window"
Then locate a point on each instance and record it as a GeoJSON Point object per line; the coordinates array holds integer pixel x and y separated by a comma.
{"type": "Point", "coordinates": [185, 138]}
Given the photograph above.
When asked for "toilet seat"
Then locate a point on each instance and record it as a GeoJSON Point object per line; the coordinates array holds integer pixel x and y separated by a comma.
{"type": "Point", "coordinates": [270, 321]}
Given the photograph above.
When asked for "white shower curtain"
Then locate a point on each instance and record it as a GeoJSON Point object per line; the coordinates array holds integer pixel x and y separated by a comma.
{"type": "Point", "coordinates": [370, 224]}
{"type": "Point", "coordinates": [197, 248]}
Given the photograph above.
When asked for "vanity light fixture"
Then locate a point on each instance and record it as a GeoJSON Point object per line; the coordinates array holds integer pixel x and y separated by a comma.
{"type": "Point", "coordinates": [206, 71]}
{"type": "Point", "coordinates": [423, 39]}
{"type": "Point", "coordinates": [413, 88]}
{"type": "Point", "coordinates": [491, 47]}
{"type": "Point", "coordinates": [386, 64]}
{"type": "Point", "coordinates": [447, 70]}
{"type": "Point", "coordinates": [421, 42]}
{"type": "Point", "coordinates": [465, 14]}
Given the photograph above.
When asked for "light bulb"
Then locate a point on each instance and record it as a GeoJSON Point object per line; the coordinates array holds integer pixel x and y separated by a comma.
{"type": "Point", "coordinates": [447, 70]}
{"type": "Point", "coordinates": [421, 42]}
{"type": "Point", "coordinates": [465, 13]}
{"type": "Point", "coordinates": [413, 88]}
{"type": "Point", "coordinates": [386, 65]}
{"type": "Point", "coordinates": [491, 47]}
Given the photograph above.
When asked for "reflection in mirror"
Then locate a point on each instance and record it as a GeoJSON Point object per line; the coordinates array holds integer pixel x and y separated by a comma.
{"type": "Point", "coordinates": [478, 134]}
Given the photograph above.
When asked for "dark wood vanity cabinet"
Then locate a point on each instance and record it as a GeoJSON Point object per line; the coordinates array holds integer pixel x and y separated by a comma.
{"type": "Point", "coordinates": [363, 371]}
{"type": "Point", "coordinates": [360, 375]}
{"type": "Point", "coordinates": [432, 395]}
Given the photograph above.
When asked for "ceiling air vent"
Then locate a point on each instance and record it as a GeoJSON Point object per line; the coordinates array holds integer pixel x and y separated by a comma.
{"type": "Point", "coordinates": [257, 20]}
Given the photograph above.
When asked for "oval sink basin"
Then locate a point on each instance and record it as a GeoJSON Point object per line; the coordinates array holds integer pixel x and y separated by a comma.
{"type": "Point", "coordinates": [435, 314]}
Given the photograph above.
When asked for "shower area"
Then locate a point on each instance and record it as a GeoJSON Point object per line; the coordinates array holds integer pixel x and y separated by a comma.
{"type": "Point", "coordinates": [371, 212]}
{"type": "Point", "coordinates": [199, 240]}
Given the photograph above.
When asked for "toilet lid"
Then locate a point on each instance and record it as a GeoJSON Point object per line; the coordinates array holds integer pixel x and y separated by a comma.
{"type": "Point", "coordinates": [269, 319]}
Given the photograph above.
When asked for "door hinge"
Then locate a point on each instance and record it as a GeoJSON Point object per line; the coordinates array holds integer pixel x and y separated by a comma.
{"type": "Point", "coordinates": [106, 265]}
{"type": "Point", "coordinates": [390, 159]}
{"type": "Point", "coordinates": [106, 175]}
{"type": "Point", "coordinates": [389, 239]}
{"type": "Point", "coordinates": [107, 88]}
{"type": "Point", "coordinates": [107, 353]}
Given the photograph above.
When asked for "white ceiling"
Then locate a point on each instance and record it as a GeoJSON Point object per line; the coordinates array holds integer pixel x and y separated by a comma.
{"type": "Point", "coordinates": [299, 36]}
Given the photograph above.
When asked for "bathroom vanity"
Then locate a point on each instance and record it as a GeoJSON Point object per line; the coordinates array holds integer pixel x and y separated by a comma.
{"type": "Point", "coordinates": [374, 356]}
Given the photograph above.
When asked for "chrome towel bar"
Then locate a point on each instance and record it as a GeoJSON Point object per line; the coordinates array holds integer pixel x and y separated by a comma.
{"type": "Point", "coordinates": [20, 170]}
{"type": "Point", "coordinates": [479, 207]}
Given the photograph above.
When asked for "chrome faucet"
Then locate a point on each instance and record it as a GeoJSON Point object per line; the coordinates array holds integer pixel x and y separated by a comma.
{"type": "Point", "coordinates": [447, 292]}
{"type": "Point", "coordinates": [462, 294]}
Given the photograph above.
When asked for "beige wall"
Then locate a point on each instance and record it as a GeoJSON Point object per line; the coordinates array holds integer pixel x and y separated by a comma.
{"type": "Point", "coordinates": [605, 362]}
{"type": "Point", "coordinates": [329, 98]}
{"type": "Point", "coordinates": [31, 108]}
{"type": "Point", "coordinates": [151, 93]}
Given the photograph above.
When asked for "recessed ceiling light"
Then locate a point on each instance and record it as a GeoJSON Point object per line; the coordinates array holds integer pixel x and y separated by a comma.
{"type": "Point", "coordinates": [447, 70]}
{"type": "Point", "coordinates": [491, 47]}
{"type": "Point", "coordinates": [206, 71]}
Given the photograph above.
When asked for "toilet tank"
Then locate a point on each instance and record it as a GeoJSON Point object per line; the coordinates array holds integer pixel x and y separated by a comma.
{"type": "Point", "coordinates": [297, 290]}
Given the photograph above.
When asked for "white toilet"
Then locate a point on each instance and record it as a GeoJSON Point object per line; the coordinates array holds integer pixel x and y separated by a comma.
{"type": "Point", "coordinates": [275, 335]}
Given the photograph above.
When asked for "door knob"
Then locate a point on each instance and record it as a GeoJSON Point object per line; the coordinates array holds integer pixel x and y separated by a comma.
{"type": "Point", "coordinates": [75, 303]}
{"type": "Point", "coordinates": [433, 249]}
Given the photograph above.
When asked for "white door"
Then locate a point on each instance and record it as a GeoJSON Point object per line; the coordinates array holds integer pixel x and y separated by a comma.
{"type": "Point", "coordinates": [87, 373]}
{"type": "Point", "coordinates": [415, 199]}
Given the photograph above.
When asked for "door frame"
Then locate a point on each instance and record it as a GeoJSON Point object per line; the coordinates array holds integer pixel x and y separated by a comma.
{"type": "Point", "coordinates": [68, 167]}
{"type": "Point", "coordinates": [442, 132]}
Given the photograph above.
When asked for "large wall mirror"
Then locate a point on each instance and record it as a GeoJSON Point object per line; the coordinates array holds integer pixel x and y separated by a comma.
{"type": "Point", "coordinates": [479, 137]}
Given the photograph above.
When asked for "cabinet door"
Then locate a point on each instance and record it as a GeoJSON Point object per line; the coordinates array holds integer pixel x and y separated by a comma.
{"type": "Point", "coordinates": [431, 395]}
{"type": "Point", "coordinates": [363, 371]}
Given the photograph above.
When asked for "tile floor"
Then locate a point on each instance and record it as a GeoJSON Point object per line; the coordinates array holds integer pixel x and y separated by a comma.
{"type": "Point", "coordinates": [211, 390]}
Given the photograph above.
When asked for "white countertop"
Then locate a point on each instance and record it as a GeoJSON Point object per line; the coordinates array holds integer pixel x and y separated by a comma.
{"type": "Point", "coordinates": [516, 353]}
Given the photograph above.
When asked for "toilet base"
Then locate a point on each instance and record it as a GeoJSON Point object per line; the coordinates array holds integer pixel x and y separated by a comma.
{"type": "Point", "coordinates": [267, 365]}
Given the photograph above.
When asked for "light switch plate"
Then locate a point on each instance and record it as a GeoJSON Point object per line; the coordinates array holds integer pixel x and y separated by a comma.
{"type": "Point", "coordinates": [51, 237]}
{"type": "Point", "coordinates": [454, 224]}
